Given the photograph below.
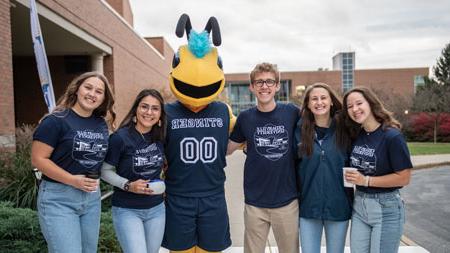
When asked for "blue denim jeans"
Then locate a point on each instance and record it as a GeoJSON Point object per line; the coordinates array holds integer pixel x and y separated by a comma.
{"type": "Point", "coordinates": [69, 218]}
{"type": "Point", "coordinates": [377, 222]}
{"type": "Point", "coordinates": [311, 235]}
{"type": "Point", "coordinates": [139, 230]}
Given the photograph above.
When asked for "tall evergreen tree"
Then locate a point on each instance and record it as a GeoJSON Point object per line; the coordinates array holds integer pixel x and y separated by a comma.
{"type": "Point", "coordinates": [442, 69]}
{"type": "Point", "coordinates": [434, 97]}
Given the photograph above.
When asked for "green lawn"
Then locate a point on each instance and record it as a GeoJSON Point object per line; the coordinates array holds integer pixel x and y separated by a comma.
{"type": "Point", "coordinates": [428, 148]}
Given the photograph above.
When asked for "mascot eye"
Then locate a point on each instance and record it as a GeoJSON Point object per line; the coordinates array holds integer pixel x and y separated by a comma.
{"type": "Point", "coordinates": [176, 60]}
{"type": "Point", "coordinates": [219, 63]}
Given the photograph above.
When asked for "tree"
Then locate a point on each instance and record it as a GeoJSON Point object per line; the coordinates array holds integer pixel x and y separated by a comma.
{"type": "Point", "coordinates": [397, 103]}
{"type": "Point", "coordinates": [434, 99]}
{"type": "Point", "coordinates": [442, 69]}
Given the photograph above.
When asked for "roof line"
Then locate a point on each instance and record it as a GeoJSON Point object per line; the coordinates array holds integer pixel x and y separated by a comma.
{"type": "Point", "coordinates": [132, 28]}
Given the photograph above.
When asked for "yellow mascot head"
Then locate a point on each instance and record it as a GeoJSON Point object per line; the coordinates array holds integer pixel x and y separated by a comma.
{"type": "Point", "coordinates": [197, 77]}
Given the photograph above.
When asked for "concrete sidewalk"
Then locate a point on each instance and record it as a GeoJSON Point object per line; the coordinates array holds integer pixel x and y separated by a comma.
{"type": "Point", "coordinates": [235, 194]}
{"type": "Point", "coordinates": [426, 161]}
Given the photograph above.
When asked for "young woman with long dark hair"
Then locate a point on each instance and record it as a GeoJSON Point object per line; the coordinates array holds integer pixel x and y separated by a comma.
{"type": "Point", "coordinates": [325, 204]}
{"type": "Point", "coordinates": [133, 166]}
{"type": "Point", "coordinates": [380, 154]}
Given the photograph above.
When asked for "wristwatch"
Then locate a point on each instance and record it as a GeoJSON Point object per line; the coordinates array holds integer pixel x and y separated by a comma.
{"type": "Point", "coordinates": [126, 186]}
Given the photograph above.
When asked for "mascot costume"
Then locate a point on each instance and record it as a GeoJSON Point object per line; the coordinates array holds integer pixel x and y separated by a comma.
{"type": "Point", "coordinates": [197, 138]}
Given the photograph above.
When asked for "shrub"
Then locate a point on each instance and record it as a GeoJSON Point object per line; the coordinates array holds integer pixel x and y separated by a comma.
{"type": "Point", "coordinates": [16, 171]}
{"type": "Point", "coordinates": [421, 127]}
{"type": "Point", "coordinates": [108, 241]}
{"type": "Point", "coordinates": [20, 231]}
{"type": "Point", "coordinates": [106, 203]}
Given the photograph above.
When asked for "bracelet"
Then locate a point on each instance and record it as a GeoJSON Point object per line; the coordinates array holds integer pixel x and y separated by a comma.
{"type": "Point", "coordinates": [366, 181]}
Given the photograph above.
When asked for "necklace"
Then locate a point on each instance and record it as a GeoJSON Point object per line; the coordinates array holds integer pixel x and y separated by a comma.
{"type": "Point", "coordinates": [142, 136]}
{"type": "Point", "coordinates": [371, 130]}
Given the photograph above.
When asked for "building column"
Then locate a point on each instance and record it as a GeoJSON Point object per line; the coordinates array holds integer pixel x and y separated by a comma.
{"type": "Point", "coordinates": [7, 119]}
{"type": "Point", "coordinates": [97, 62]}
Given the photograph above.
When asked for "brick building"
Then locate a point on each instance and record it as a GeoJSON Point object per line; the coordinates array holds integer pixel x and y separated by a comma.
{"type": "Point", "coordinates": [79, 36]}
{"type": "Point", "coordinates": [401, 82]}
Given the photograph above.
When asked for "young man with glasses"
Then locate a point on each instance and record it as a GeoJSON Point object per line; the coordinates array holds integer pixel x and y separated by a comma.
{"type": "Point", "coordinates": [269, 172]}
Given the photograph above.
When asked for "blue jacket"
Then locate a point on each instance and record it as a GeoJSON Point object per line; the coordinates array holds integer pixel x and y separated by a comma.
{"type": "Point", "coordinates": [322, 192]}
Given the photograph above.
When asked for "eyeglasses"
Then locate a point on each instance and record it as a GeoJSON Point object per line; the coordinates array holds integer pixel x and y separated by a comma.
{"type": "Point", "coordinates": [268, 82]}
{"type": "Point", "coordinates": [145, 108]}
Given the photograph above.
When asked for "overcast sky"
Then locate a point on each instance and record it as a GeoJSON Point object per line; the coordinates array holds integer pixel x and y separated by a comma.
{"type": "Point", "coordinates": [302, 35]}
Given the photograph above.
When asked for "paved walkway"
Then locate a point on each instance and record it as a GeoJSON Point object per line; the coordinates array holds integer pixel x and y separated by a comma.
{"type": "Point", "coordinates": [428, 208]}
{"type": "Point", "coordinates": [425, 161]}
{"type": "Point", "coordinates": [235, 195]}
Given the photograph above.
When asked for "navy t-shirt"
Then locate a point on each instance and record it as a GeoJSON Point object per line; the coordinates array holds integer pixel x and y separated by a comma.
{"type": "Point", "coordinates": [379, 153]}
{"type": "Point", "coordinates": [135, 157]}
{"type": "Point", "coordinates": [196, 149]}
{"type": "Point", "coordinates": [269, 170]}
{"type": "Point", "coordinates": [80, 143]}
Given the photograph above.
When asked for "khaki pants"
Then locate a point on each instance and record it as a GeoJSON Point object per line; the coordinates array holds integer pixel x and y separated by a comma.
{"type": "Point", "coordinates": [284, 222]}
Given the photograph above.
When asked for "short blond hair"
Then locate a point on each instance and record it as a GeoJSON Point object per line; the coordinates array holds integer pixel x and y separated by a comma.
{"type": "Point", "coordinates": [265, 67]}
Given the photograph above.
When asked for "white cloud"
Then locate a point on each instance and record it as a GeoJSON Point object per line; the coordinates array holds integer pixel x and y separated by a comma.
{"type": "Point", "coordinates": [304, 35]}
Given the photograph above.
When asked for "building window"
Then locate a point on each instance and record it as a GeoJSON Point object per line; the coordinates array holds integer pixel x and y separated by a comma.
{"type": "Point", "coordinates": [284, 93]}
{"type": "Point", "coordinates": [299, 90]}
{"type": "Point", "coordinates": [418, 81]}
{"type": "Point", "coordinates": [347, 71]}
{"type": "Point", "coordinates": [241, 98]}
{"type": "Point", "coordinates": [347, 87]}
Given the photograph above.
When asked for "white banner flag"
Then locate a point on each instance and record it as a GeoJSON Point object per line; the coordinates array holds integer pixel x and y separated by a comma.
{"type": "Point", "coordinates": [41, 58]}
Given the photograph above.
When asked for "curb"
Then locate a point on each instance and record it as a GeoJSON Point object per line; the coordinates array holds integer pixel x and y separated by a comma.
{"type": "Point", "coordinates": [408, 242]}
{"type": "Point", "coordinates": [430, 165]}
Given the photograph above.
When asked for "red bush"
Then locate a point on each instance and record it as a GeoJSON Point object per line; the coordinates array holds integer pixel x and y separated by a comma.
{"type": "Point", "coordinates": [420, 127]}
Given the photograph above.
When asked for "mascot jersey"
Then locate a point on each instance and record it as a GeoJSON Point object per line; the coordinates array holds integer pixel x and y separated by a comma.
{"type": "Point", "coordinates": [197, 144]}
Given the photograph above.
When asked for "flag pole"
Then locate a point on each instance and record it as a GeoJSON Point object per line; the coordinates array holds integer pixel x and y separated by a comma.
{"type": "Point", "coordinates": [41, 58]}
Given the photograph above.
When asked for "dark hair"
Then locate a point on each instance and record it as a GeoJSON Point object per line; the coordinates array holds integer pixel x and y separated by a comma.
{"type": "Point", "coordinates": [158, 132]}
{"type": "Point", "coordinates": [308, 121]}
{"type": "Point", "coordinates": [381, 114]}
{"type": "Point", "coordinates": [69, 98]}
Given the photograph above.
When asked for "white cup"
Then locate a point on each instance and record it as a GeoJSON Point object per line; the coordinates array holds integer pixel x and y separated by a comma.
{"type": "Point", "coordinates": [98, 186]}
{"type": "Point", "coordinates": [158, 187]}
{"type": "Point", "coordinates": [346, 183]}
